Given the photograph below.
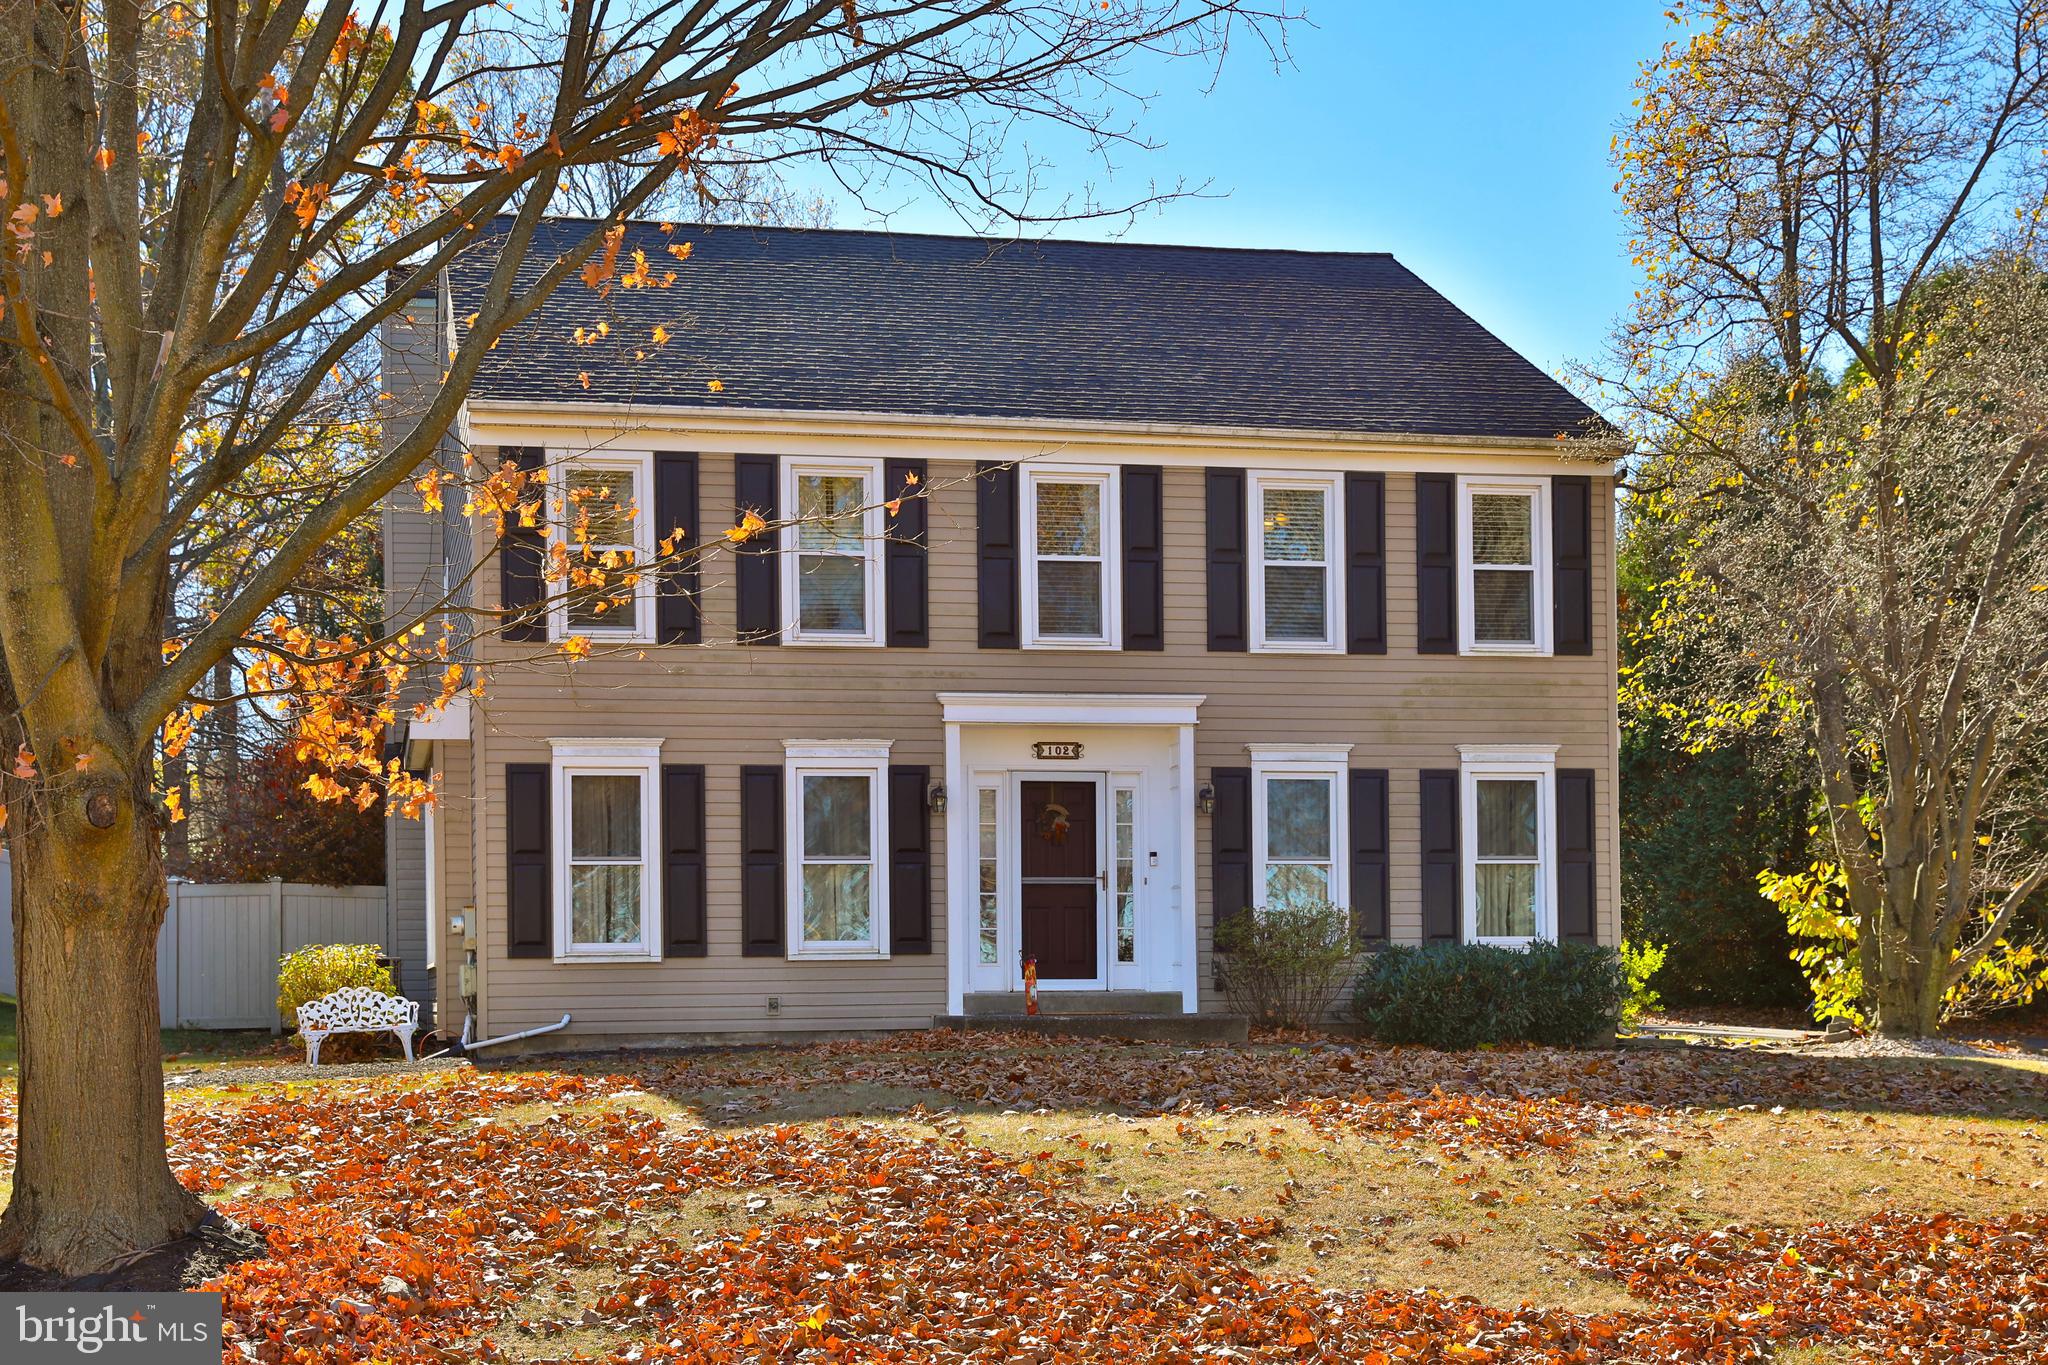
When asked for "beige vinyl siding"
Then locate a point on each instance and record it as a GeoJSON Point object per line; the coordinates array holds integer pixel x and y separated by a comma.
{"type": "Point", "coordinates": [725, 706]}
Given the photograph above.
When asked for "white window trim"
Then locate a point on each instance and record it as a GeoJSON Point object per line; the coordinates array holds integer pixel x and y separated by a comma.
{"type": "Point", "coordinates": [609, 757]}
{"type": "Point", "coordinates": [1538, 491]}
{"type": "Point", "coordinates": [1108, 478]}
{"type": "Point", "coordinates": [431, 901]}
{"type": "Point", "coordinates": [1332, 761]}
{"type": "Point", "coordinates": [1331, 486]}
{"type": "Point", "coordinates": [1477, 762]}
{"type": "Point", "coordinates": [867, 758]}
{"type": "Point", "coordinates": [871, 533]}
{"type": "Point", "coordinates": [641, 462]}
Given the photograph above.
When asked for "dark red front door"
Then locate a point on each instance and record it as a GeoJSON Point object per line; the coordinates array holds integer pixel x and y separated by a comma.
{"type": "Point", "coordinates": [1059, 876]}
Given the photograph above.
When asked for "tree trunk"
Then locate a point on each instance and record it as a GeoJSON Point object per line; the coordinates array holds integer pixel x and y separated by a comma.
{"type": "Point", "coordinates": [1912, 968]}
{"type": "Point", "coordinates": [91, 1182]}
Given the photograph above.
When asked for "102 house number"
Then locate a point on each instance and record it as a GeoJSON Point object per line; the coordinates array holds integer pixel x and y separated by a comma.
{"type": "Point", "coordinates": [1056, 748]}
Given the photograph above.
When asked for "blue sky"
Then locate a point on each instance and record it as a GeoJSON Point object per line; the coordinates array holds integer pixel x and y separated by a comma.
{"type": "Point", "coordinates": [1469, 139]}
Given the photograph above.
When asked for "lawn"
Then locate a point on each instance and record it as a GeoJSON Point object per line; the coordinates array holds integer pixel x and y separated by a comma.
{"type": "Point", "coordinates": [939, 1197]}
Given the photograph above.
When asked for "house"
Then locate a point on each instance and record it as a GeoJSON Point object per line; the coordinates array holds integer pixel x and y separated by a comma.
{"type": "Point", "coordinates": [1128, 586]}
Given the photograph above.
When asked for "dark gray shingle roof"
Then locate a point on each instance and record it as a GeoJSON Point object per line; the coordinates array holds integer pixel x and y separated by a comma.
{"type": "Point", "coordinates": [829, 320]}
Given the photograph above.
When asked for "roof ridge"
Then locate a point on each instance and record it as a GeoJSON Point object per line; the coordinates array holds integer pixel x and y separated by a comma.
{"type": "Point", "coordinates": [976, 238]}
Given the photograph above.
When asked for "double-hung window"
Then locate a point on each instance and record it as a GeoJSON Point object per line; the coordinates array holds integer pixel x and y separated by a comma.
{"type": "Point", "coordinates": [1509, 833]}
{"type": "Point", "coordinates": [832, 551]}
{"type": "Point", "coordinates": [1296, 534]}
{"type": "Point", "coordinates": [598, 508]}
{"type": "Point", "coordinates": [1504, 574]}
{"type": "Point", "coordinates": [1298, 815]}
{"type": "Point", "coordinates": [839, 887]}
{"type": "Point", "coordinates": [1070, 524]}
{"type": "Point", "coordinates": [607, 878]}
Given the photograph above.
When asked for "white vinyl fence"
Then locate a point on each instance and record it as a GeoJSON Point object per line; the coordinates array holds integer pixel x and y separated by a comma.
{"type": "Point", "coordinates": [216, 959]}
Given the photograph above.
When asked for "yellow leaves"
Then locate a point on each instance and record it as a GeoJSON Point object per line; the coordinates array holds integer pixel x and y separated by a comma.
{"type": "Point", "coordinates": [750, 525]}
{"type": "Point", "coordinates": [599, 269]}
{"type": "Point", "coordinates": [583, 378]}
{"type": "Point", "coordinates": [716, 386]}
{"type": "Point", "coordinates": [661, 335]}
{"type": "Point", "coordinates": [174, 805]}
{"type": "Point", "coordinates": [428, 486]}
{"type": "Point", "coordinates": [576, 647]}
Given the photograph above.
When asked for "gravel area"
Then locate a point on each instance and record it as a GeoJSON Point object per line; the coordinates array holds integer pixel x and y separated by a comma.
{"type": "Point", "coordinates": [263, 1073]}
{"type": "Point", "coordinates": [1876, 1045]}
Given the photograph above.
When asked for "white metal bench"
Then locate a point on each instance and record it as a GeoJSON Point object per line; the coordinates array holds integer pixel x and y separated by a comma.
{"type": "Point", "coordinates": [357, 1009]}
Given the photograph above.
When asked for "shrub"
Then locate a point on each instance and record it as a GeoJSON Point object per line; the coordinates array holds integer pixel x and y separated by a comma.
{"type": "Point", "coordinates": [320, 968]}
{"type": "Point", "coordinates": [1285, 965]}
{"type": "Point", "coordinates": [1463, 995]}
{"type": "Point", "coordinates": [1640, 962]}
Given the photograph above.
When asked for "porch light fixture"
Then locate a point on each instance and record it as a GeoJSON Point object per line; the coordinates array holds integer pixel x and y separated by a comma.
{"type": "Point", "coordinates": [1205, 800]}
{"type": "Point", "coordinates": [936, 798]}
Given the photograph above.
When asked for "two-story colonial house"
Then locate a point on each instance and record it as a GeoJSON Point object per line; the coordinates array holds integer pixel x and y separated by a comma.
{"type": "Point", "coordinates": [1113, 589]}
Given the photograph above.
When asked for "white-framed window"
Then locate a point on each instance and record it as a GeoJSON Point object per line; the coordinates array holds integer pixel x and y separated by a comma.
{"type": "Point", "coordinates": [1071, 598]}
{"type": "Point", "coordinates": [988, 875]}
{"type": "Point", "coordinates": [606, 802]}
{"type": "Point", "coordinates": [431, 861]}
{"type": "Point", "coordinates": [1299, 815]}
{"type": "Point", "coordinates": [1508, 800]}
{"type": "Point", "coordinates": [1504, 565]}
{"type": "Point", "coordinates": [837, 816]}
{"type": "Point", "coordinates": [832, 552]}
{"type": "Point", "coordinates": [1297, 594]}
{"type": "Point", "coordinates": [601, 510]}
{"type": "Point", "coordinates": [1123, 858]}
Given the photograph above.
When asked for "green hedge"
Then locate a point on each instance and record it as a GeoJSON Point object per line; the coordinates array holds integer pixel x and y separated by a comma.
{"type": "Point", "coordinates": [1462, 995]}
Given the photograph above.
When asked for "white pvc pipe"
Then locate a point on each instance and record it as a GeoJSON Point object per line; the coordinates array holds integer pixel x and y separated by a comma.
{"type": "Point", "coordinates": [469, 1019]}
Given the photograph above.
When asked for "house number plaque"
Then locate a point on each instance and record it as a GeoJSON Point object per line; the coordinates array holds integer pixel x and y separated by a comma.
{"type": "Point", "coordinates": [1056, 748]}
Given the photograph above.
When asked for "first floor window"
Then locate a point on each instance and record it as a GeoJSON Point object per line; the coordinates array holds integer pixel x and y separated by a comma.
{"type": "Point", "coordinates": [1507, 800]}
{"type": "Point", "coordinates": [598, 516]}
{"type": "Point", "coordinates": [1504, 583]}
{"type": "Point", "coordinates": [832, 558]}
{"type": "Point", "coordinates": [1070, 536]}
{"type": "Point", "coordinates": [838, 896]}
{"type": "Point", "coordinates": [1294, 548]}
{"type": "Point", "coordinates": [988, 874]}
{"type": "Point", "coordinates": [1298, 798]}
{"type": "Point", "coordinates": [1124, 848]}
{"type": "Point", "coordinates": [606, 901]}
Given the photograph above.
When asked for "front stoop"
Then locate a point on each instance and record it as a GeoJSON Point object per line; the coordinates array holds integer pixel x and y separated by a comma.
{"type": "Point", "coordinates": [1152, 1028]}
{"type": "Point", "coordinates": [1010, 1004]}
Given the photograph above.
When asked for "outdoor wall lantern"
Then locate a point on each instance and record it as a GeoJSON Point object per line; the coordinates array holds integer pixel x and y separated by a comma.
{"type": "Point", "coordinates": [1205, 800]}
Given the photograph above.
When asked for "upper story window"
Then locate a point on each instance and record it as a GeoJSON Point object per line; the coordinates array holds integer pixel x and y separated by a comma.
{"type": "Point", "coordinates": [1504, 574]}
{"type": "Point", "coordinates": [839, 895]}
{"type": "Point", "coordinates": [832, 551]}
{"type": "Point", "coordinates": [596, 506]}
{"type": "Point", "coordinates": [1070, 524]}
{"type": "Point", "coordinates": [1298, 799]}
{"type": "Point", "coordinates": [1296, 593]}
{"type": "Point", "coordinates": [1509, 834]}
{"type": "Point", "coordinates": [607, 891]}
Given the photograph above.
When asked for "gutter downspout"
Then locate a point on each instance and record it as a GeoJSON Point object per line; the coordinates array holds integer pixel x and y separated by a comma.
{"type": "Point", "coordinates": [468, 1020]}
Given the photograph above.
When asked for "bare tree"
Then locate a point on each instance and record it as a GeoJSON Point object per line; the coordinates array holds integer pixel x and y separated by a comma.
{"type": "Point", "coordinates": [190, 289]}
{"type": "Point", "coordinates": [1834, 370]}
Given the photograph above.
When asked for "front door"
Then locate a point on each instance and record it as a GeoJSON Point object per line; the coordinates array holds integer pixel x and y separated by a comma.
{"type": "Point", "coordinates": [1061, 878]}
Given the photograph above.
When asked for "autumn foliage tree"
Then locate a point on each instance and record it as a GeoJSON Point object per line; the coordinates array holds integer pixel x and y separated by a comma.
{"type": "Point", "coordinates": [1835, 370]}
{"type": "Point", "coordinates": [208, 214]}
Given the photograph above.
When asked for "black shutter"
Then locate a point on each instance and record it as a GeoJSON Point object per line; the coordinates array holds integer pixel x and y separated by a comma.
{"type": "Point", "coordinates": [529, 886]}
{"type": "Point", "coordinates": [1571, 545]}
{"type": "Point", "coordinates": [1369, 844]}
{"type": "Point", "coordinates": [676, 617]}
{"type": "Point", "coordinates": [1442, 913]}
{"type": "Point", "coordinates": [1365, 563]}
{"type": "Point", "coordinates": [1576, 868]}
{"type": "Point", "coordinates": [995, 505]}
{"type": "Point", "coordinates": [905, 575]}
{"type": "Point", "coordinates": [1230, 845]}
{"type": "Point", "coordinates": [682, 860]}
{"type": "Point", "coordinates": [1436, 564]}
{"type": "Point", "coordinates": [1144, 527]}
{"type": "Point", "coordinates": [761, 909]}
{"type": "Point", "coordinates": [760, 613]}
{"type": "Point", "coordinates": [1228, 632]}
{"type": "Point", "coordinates": [520, 555]}
{"type": "Point", "coordinates": [910, 861]}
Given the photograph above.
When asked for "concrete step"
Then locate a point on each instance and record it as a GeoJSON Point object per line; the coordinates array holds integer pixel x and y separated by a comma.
{"type": "Point", "coordinates": [1158, 1028]}
{"type": "Point", "coordinates": [1010, 1004]}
